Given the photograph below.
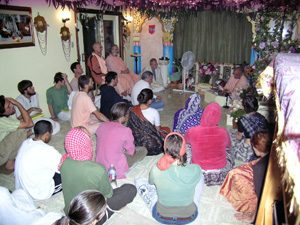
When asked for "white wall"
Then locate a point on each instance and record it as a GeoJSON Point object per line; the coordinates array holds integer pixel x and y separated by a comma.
{"type": "Point", "coordinates": [29, 63]}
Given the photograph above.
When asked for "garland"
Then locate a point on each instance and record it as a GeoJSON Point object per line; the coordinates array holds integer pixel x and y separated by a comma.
{"type": "Point", "coordinates": [268, 42]}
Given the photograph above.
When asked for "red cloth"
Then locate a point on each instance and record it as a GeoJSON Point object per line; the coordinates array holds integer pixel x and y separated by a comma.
{"type": "Point", "coordinates": [208, 141]}
{"type": "Point", "coordinates": [165, 162]}
{"type": "Point", "coordinates": [78, 145]}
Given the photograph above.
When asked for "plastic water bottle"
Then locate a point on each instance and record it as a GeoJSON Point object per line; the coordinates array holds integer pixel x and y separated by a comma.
{"type": "Point", "coordinates": [112, 174]}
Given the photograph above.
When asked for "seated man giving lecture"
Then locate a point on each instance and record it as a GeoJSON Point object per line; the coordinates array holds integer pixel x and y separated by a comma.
{"type": "Point", "coordinates": [97, 65]}
{"type": "Point", "coordinates": [157, 84]}
{"type": "Point", "coordinates": [84, 112]}
{"type": "Point", "coordinates": [145, 82]}
{"type": "Point", "coordinates": [236, 81]}
{"type": "Point", "coordinates": [57, 97]}
{"type": "Point", "coordinates": [115, 63]}
{"type": "Point", "coordinates": [36, 170]}
{"type": "Point", "coordinates": [29, 99]}
{"type": "Point", "coordinates": [12, 131]}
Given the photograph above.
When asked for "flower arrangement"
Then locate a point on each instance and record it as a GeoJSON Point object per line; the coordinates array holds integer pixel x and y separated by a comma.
{"type": "Point", "coordinates": [207, 70]}
{"type": "Point", "coordinates": [237, 109]}
{"type": "Point", "coordinates": [268, 41]}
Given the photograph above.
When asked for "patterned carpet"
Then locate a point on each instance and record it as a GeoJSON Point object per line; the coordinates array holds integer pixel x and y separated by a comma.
{"type": "Point", "coordinates": [214, 209]}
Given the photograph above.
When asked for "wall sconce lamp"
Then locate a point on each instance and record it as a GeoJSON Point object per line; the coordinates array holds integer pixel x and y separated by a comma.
{"type": "Point", "coordinates": [65, 16]}
{"type": "Point", "coordinates": [128, 19]}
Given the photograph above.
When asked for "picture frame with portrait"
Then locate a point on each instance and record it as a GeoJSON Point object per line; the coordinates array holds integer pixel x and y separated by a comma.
{"type": "Point", "coordinates": [16, 27]}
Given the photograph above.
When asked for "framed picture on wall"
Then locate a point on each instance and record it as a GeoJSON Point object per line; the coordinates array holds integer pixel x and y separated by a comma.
{"type": "Point", "coordinates": [16, 27]}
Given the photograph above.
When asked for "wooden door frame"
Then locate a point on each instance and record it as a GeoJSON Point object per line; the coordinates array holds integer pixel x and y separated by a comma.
{"type": "Point", "coordinates": [94, 11]}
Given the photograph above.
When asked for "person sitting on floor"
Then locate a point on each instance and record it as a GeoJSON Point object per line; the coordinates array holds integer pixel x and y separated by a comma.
{"type": "Point", "coordinates": [178, 185]}
{"type": "Point", "coordinates": [158, 84]}
{"type": "Point", "coordinates": [247, 126]}
{"type": "Point", "coordinates": [18, 208]}
{"type": "Point", "coordinates": [243, 185]}
{"type": "Point", "coordinates": [98, 68]}
{"type": "Point", "coordinates": [146, 80]}
{"type": "Point", "coordinates": [36, 169]}
{"type": "Point", "coordinates": [29, 99]}
{"type": "Point", "coordinates": [12, 131]}
{"type": "Point", "coordinates": [190, 116]}
{"type": "Point", "coordinates": [211, 146]}
{"type": "Point", "coordinates": [88, 208]}
{"type": "Point", "coordinates": [144, 122]}
{"type": "Point", "coordinates": [115, 63]}
{"type": "Point", "coordinates": [115, 142]}
{"type": "Point", "coordinates": [84, 112]}
{"type": "Point", "coordinates": [109, 96]}
{"type": "Point", "coordinates": [78, 71]}
{"type": "Point", "coordinates": [76, 166]}
{"type": "Point", "coordinates": [236, 81]}
{"type": "Point", "coordinates": [57, 98]}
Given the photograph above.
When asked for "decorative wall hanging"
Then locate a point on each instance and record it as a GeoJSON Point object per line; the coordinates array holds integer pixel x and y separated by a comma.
{"type": "Point", "coordinates": [65, 34]}
{"type": "Point", "coordinates": [16, 28]}
{"type": "Point", "coordinates": [66, 41]}
{"type": "Point", "coordinates": [41, 25]}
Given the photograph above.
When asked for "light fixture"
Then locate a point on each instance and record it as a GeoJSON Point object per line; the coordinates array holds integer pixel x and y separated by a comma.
{"type": "Point", "coordinates": [128, 18]}
{"type": "Point", "coordinates": [65, 16]}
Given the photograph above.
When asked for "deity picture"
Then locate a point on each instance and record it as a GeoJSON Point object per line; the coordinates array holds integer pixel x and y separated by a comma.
{"type": "Point", "coordinates": [15, 27]}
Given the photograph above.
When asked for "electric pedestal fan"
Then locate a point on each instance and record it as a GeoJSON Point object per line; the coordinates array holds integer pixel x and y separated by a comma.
{"type": "Point", "coordinates": [187, 62]}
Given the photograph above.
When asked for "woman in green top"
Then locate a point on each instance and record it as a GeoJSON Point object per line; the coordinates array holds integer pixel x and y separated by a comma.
{"type": "Point", "coordinates": [179, 185]}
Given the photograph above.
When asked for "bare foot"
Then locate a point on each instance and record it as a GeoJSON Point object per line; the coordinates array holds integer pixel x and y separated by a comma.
{"type": "Point", "coordinates": [10, 164]}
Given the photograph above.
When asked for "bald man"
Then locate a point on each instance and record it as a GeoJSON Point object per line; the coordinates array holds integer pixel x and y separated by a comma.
{"type": "Point", "coordinates": [237, 80]}
{"type": "Point", "coordinates": [97, 65]}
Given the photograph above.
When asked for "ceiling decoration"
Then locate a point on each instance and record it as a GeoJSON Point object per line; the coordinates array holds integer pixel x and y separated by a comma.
{"type": "Point", "coordinates": [179, 5]}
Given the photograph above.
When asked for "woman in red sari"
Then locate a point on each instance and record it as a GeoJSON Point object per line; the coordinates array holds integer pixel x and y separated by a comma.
{"type": "Point", "coordinates": [243, 185]}
{"type": "Point", "coordinates": [144, 122]}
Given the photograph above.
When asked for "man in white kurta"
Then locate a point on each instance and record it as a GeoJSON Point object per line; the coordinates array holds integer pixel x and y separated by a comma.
{"type": "Point", "coordinates": [157, 84]}
{"type": "Point", "coordinates": [29, 99]}
{"type": "Point", "coordinates": [37, 163]}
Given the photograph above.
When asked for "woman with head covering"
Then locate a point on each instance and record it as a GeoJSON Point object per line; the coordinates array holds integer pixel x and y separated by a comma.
{"type": "Point", "coordinates": [190, 116]}
{"type": "Point", "coordinates": [178, 184]}
{"type": "Point", "coordinates": [243, 185]}
{"type": "Point", "coordinates": [79, 173]}
{"type": "Point", "coordinates": [144, 122]}
{"type": "Point", "coordinates": [247, 126]}
{"type": "Point", "coordinates": [209, 143]}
